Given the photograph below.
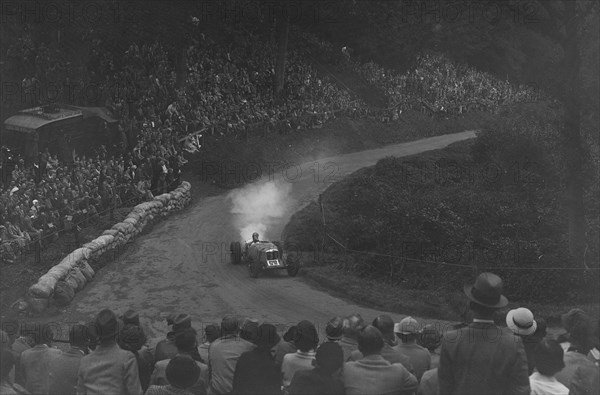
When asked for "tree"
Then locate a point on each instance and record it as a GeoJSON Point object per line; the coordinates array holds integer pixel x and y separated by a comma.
{"type": "Point", "coordinates": [283, 28]}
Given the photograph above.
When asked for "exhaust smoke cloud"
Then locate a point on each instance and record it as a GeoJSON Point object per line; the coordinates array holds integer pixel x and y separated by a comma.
{"type": "Point", "coordinates": [259, 205]}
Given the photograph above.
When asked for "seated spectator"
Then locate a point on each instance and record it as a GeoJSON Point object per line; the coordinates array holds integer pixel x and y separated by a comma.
{"type": "Point", "coordinates": [7, 363]}
{"type": "Point", "coordinates": [166, 349]}
{"type": "Point", "coordinates": [431, 339]}
{"type": "Point", "coordinates": [352, 325]}
{"type": "Point", "coordinates": [548, 356]}
{"type": "Point", "coordinates": [249, 330]}
{"type": "Point", "coordinates": [286, 345]}
{"type": "Point", "coordinates": [334, 329]}
{"type": "Point", "coordinates": [385, 324]}
{"type": "Point", "coordinates": [429, 384]}
{"type": "Point", "coordinates": [108, 369]}
{"type": "Point", "coordinates": [132, 338]}
{"type": "Point", "coordinates": [182, 376]}
{"type": "Point", "coordinates": [306, 341]}
{"type": "Point", "coordinates": [373, 374]}
{"type": "Point", "coordinates": [36, 361]}
{"type": "Point", "coordinates": [256, 371]}
{"type": "Point", "coordinates": [63, 372]}
{"type": "Point", "coordinates": [23, 342]}
{"type": "Point", "coordinates": [570, 319]}
{"type": "Point", "coordinates": [324, 378]}
{"type": "Point", "coordinates": [211, 333]}
{"type": "Point", "coordinates": [520, 321]}
{"type": "Point", "coordinates": [224, 354]}
{"type": "Point", "coordinates": [408, 330]}
{"type": "Point", "coordinates": [186, 343]}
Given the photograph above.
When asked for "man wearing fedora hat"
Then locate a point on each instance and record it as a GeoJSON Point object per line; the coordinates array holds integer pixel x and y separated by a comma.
{"type": "Point", "coordinates": [483, 358]}
{"type": "Point", "coordinates": [166, 348]}
{"type": "Point", "coordinates": [108, 369]}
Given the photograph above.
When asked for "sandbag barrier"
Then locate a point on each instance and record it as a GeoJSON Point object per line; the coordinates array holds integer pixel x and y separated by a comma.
{"type": "Point", "coordinates": [62, 281]}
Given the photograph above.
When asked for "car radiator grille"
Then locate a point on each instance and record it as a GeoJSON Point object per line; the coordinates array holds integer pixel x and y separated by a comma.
{"type": "Point", "coordinates": [272, 255]}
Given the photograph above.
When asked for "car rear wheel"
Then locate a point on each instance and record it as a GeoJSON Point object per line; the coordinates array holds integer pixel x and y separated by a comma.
{"type": "Point", "coordinates": [254, 267]}
{"type": "Point", "coordinates": [236, 252]}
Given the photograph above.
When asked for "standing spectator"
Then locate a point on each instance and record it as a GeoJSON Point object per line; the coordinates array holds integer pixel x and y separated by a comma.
{"type": "Point", "coordinates": [224, 354]}
{"type": "Point", "coordinates": [63, 372]}
{"type": "Point", "coordinates": [186, 343]}
{"type": "Point", "coordinates": [324, 378]}
{"type": "Point", "coordinates": [334, 329]}
{"type": "Point", "coordinates": [256, 372]}
{"type": "Point", "coordinates": [211, 333]}
{"type": "Point", "coordinates": [470, 363]}
{"type": "Point", "coordinates": [132, 338]}
{"type": "Point", "coordinates": [408, 331]}
{"type": "Point", "coordinates": [352, 325]}
{"type": "Point", "coordinates": [182, 375]}
{"type": "Point", "coordinates": [286, 345]}
{"type": "Point", "coordinates": [373, 374]}
{"type": "Point", "coordinates": [431, 339]}
{"type": "Point", "coordinates": [548, 357]}
{"type": "Point", "coordinates": [36, 361]}
{"type": "Point", "coordinates": [306, 341]}
{"type": "Point", "coordinates": [108, 369]}
{"type": "Point", "coordinates": [520, 321]}
{"type": "Point", "coordinates": [7, 362]}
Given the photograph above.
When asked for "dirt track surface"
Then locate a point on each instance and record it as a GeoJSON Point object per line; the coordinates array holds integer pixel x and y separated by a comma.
{"type": "Point", "coordinates": [182, 265]}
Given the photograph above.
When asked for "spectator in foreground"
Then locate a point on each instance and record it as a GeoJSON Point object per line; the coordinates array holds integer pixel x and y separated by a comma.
{"type": "Point", "coordinates": [286, 345]}
{"type": "Point", "coordinates": [132, 338]}
{"type": "Point", "coordinates": [373, 374]}
{"type": "Point", "coordinates": [166, 349]}
{"type": "Point", "coordinates": [431, 339]}
{"type": "Point", "coordinates": [569, 320]}
{"type": "Point", "coordinates": [211, 333]}
{"type": "Point", "coordinates": [7, 363]}
{"type": "Point", "coordinates": [520, 321]}
{"type": "Point", "coordinates": [256, 372]}
{"type": "Point", "coordinates": [306, 341]}
{"type": "Point", "coordinates": [224, 354]}
{"type": "Point", "coordinates": [36, 361]}
{"type": "Point", "coordinates": [64, 369]}
{"type": "Point", "coordinates": [108, 369]}
{"type": "Point", "coordinates": [182, 374]}
{"type": "Point", "coordinates": [324, 378]}
{"type": "Point", "coordinates": [352, 325]}
{"type": "Point", "coordinates": [548, 357]}
{"type": "Point", "coordinates": [472, 364]}
{"type": "Point", "coordinates": [408, 330]}
{"type": "Point", "coordinates": [334, 329]}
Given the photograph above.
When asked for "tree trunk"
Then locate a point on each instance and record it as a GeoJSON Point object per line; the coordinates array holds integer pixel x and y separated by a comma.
{"type": "Point", "coordinates": [572, 136]}
{"type": "Point", "coordinates": [282, 34]}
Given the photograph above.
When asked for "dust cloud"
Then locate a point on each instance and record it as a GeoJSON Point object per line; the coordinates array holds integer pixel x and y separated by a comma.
{"type": "Point", "coordinates": [258, 205]}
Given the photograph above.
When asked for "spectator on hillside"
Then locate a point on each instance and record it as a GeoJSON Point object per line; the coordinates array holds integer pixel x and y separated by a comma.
{"type": "Point", "coordinates": [373, 374]}
{"type": "Point", "coordinates": [186, 343]}
{"type": "Point", "coordinates": [182, 376]}
{"type": "Point", "coordinates": [211, 333]}
{"type": "Point", "coordinates": [349, 343]}
{"type": "Point", "coordinates": [108, 369]}
{"type": "Point", "coordinates": [324, 378]}
{"type": "Point", "coordinates": [472, 364]}
{"type": "Point", "coordinates": [334, 329]}
{"type": "Point", "coordinates": [548, 356]}
{"type": "Point", "coordinates": [224, 354]}
{"type": "Point", "coordinates": [408, 331]}
{"type": "Point", "coordinates": [36, 361]}
{"type": "Point", "coordinates": [256, 371]}
{"type": "Point", "coordinates": [286, 345]}
{"type": "Point", "coordinates": [306, 342]}
{"type": "Point", "coordinates": [64, 370]}
{"type": "Point", "coordinates": [7, 363]}
{"type": "Point", "coordinates": [385, 324]}
{"type": "Point", "coordinates": [431, 339]}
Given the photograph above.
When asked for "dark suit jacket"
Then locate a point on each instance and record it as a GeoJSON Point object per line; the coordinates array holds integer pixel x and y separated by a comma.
{"type": "Point", "coordinates": [315, 381]}
{"type": "Point", "coordinates": [483, 358]}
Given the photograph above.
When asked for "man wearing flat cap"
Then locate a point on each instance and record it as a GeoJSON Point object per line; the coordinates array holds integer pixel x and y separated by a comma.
{"type": "Point", "coordinates": [483, 358]}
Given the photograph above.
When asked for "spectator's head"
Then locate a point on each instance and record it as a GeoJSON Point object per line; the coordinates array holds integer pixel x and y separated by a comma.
{"type": "Point", "coordinates": [521, 322]}
{"type": "Point", "coordinates": [330, 357]}
{"type": "Point", "coordinates": [407, 329]}
{"type": "Point", "coordinates": [352, 325]}
{"type": "Point", "coordinates": [79, 336]}
{"type": "Point", "coordinates": [132, 337]}
{"type": "Point", "coordinates": [38, 333]}
{"type": "Point", "coordinates": [573, 317]}
{"type": "Point", "coordinates": [211, 333]}
{"type": "Point", "coordinates": [385, 324]}
{"type": "Point", "coordinates": [7, 361]}
{"type": "Point", "coordinates": [181, 322]}
{"type": "Point", "coordinates": [290, 334]}
{"type": "Point", "coordinates": [266, 336]}
{"type": "Point", "coordinates": [334, 329]}
{"type": "Point", "coordinates": [182, 372]}
{"type": "Point", "coordinates": [230, 325]}
{"type": "Point", "coordinates": [370, 341]}
{"type": "Point", "coordinates": [486, 295]}
{"type": "Point", "coordinates": [107, 326]}
{"type": "Point", "coordinates": [131, 317]}
{"type": "Point", "coordinates": [186, 341]}
{"type": "Point", "coordinates": [430, 338]}
{"type": "Point", "coordinates": [580, 336]}
{"type": "Point", "coordinates": [306, 338]}
{"type": "Point", "coordinates": [249, 330]}
{"type": "Point", "coordinates": [548, 357]}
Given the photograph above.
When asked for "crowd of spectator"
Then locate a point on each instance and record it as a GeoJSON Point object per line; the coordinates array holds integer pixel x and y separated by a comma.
{"type": "Point", "coordinates": [351, 356]}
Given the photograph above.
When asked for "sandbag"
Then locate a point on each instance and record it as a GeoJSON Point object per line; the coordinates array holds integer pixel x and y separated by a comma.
{"type": "Point", "coordinates": [63, 293]}
{"type": "Point", "coordinates": [44, 287]}
{"type": "Point", "coordinates": [110, 232]}
{"type": "Point", "coordinates": [87, 270]}
{"type": "Point", "coordinates": [79, 278]}
{"type": "Point", "coordinates": [58, 272]}
{"type": "Point", "coordinates": [37, 305]}
{"type": "Point", "coordinates": [71, 282]}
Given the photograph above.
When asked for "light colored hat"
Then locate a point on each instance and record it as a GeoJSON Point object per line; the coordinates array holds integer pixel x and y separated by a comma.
{"type": "Point", "coordinates": [521, 321]}
{"type": "Point", "coordinates": [407, 326]}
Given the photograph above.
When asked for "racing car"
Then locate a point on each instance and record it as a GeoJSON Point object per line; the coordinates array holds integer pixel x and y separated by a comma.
{"type": "Point", "coordinates": [262, 255]}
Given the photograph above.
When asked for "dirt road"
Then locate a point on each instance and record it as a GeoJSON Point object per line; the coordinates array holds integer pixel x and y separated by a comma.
{"type": "Point", "coordinates": [183, 264]}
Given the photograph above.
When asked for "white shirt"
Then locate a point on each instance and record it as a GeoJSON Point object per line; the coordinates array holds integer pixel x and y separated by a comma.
{"type": "Point", "coordinates": [544, 385]}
